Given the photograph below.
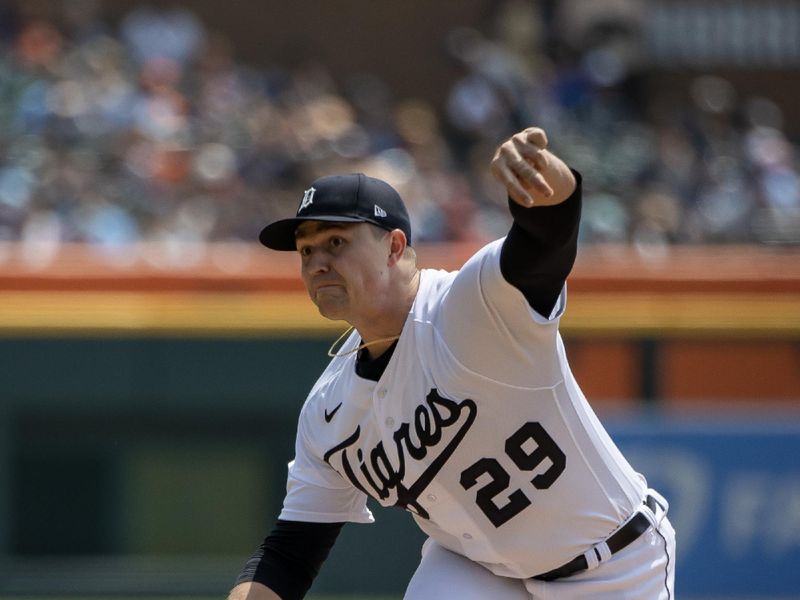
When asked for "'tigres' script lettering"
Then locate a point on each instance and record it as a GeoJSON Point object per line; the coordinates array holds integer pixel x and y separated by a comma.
{"type": "Point", "coordinates": [374, 474]}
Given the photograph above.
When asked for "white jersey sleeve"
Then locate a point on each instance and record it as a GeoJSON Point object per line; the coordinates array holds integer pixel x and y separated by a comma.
{"type": "Point", "coordinates": [504, 331]}
{"type": "Point", "coordinates": [314, 491]}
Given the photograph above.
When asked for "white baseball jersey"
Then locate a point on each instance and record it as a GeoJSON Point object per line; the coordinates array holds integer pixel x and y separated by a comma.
{"type": "Point", "coordinates": [476, 426]}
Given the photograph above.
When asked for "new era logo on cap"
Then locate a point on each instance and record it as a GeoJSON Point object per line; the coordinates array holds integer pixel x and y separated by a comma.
{"type": "Point", "coordinates": [353, 198]}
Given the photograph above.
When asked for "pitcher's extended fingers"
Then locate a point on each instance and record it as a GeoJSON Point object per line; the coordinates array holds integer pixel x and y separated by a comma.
{"type": "Point", "coordinates": [506, 176]}
{"type": "Point", "coordinates": [535, 164]}
{"type": "Point", "coordinates": [538, 181]}
{"type": "Point", "coordinates": [528, 161]}
{"type": "Point", "coordinates": [535, 156]}
{"type": "Point", "coordinates": [528, 176]}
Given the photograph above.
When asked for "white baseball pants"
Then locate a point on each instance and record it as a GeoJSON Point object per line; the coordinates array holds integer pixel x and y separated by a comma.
{"type": "Point", "coordinates": [643, 570]}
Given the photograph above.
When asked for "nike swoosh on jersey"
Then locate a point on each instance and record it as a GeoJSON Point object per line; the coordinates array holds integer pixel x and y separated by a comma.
{"type": "Point", "coordinates": [329, 415]}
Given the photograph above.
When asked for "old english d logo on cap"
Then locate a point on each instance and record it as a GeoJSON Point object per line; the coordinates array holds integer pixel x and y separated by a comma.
{"type": "Point", "coordinates": [308, 199]}
{"type": "Point", "coordinates": [353, 198]}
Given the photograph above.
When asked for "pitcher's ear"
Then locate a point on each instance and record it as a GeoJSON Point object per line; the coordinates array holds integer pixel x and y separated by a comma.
{"type": "Point", "coordinates": [397, 245]}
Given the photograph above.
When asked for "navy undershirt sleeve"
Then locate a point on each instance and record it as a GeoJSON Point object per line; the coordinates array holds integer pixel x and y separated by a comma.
{"type": "Point", "coordinates": [290, 557]}
{"type": "Point", "coordinates": [540, 249]}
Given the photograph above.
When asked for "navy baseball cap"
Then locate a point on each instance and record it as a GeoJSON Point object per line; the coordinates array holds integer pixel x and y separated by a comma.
{"type": "Point", "coordinates": [353, 198]}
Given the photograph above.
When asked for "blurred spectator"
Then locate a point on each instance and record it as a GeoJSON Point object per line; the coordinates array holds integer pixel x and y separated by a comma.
{"type": "Point", "coordinates": [174, 34]}
{"type": "Point", "coordinates": [156, 133]}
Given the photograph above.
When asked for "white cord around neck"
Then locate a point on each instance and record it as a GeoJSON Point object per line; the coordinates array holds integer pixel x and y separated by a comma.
{"type": "Point", "coordinates": [333, 354]}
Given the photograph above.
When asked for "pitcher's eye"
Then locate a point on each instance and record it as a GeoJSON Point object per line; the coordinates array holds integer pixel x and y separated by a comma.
{"type": "Point", "coordinates": [336, 241]}
{"type": "Point", "coordinates": [304, 251]}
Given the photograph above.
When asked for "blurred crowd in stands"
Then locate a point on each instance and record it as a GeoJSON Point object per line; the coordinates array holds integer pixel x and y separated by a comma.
{"type": "Point", "coordinates": [149, 130]}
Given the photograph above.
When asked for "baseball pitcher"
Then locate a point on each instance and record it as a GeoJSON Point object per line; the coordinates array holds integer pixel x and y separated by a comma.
{"type": "Point", "coordinates": [451, 397]}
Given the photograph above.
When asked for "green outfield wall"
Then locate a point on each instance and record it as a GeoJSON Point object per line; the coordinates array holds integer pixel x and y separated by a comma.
{"type": "Point", "coordinates": [157, 466]}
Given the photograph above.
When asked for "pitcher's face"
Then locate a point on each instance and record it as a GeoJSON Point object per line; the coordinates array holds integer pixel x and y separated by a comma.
{"type": "Point", "coordinates": [343, 266]}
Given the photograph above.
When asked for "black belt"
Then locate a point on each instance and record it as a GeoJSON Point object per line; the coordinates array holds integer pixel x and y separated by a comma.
{"type": "Point", "coordinates": [618, 540]}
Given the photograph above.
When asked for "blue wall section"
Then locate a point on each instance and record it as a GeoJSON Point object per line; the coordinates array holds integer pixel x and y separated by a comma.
{"type": "Point", "coordinates": [734, 493]}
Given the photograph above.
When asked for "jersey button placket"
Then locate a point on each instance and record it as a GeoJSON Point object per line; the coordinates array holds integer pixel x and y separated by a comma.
{"type": "Point", "coordinates": [381, 394]}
